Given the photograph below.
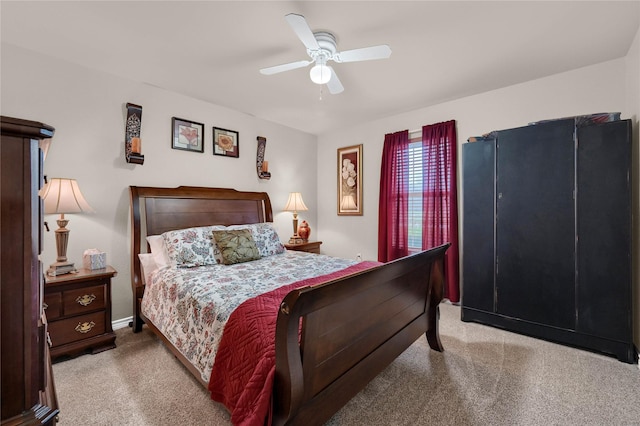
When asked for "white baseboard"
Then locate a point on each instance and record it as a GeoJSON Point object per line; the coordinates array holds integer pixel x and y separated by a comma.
{"type": "Point", "coordinates": [121, 323]}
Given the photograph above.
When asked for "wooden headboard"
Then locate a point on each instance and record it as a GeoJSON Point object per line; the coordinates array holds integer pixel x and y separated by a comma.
{"type": "Point", "coordinates": [157, 210]}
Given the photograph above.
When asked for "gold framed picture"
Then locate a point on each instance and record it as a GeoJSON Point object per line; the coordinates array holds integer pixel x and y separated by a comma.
{"type": "Point", "coordinates": [350, 181]}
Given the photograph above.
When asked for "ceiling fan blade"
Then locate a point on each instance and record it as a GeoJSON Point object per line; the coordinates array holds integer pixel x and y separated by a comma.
{"type": "Point", "coordinates": [334, 84]}
{"type": "Point", "coordinates": [302, 30]}
{"type": "Point", "coordinates": [364, 54]}
{"type": "Point", "coordinates": [284, 67]}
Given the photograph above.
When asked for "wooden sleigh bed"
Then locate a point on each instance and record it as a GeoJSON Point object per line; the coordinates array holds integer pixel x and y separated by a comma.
{"type": "Point", "coordinates": [331, 339]}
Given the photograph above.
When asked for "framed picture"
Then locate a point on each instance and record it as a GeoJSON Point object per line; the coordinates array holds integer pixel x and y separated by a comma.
{"type": "Point", "coordinates": [187, 135]}
{"type": "Point", "coordinates": [350, 180]}
{"type": "Point", "coordinates": [226, 142]}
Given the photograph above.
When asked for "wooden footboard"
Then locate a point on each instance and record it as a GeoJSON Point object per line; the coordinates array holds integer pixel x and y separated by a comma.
{"type": "Point", "coordinates": [352, 329]}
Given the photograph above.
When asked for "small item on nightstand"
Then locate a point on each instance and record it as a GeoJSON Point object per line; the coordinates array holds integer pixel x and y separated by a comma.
{"type": "Point", "coordinates": [94, 259]}
{"type": "Point", "coordinates": [304, 231]}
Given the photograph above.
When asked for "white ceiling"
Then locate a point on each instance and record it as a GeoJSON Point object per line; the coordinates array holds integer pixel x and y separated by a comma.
{"type": "Point", "coordinates": [212, 50]}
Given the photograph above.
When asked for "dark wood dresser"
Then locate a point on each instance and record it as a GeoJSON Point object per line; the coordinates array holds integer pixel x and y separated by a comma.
{"type": "Point", "coordinates": [78, 308]}
{"type": "Point", "coordinates": [27, 391]}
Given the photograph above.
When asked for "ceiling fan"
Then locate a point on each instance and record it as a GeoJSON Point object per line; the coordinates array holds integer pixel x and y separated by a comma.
{"type": "Point", "coordinates": [321, 48]}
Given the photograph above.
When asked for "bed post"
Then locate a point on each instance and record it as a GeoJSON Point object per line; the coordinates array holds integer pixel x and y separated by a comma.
{"type": "Point", "coordinates": [436, 294]}
{"type": "Point", "coordinates": [136, 281]}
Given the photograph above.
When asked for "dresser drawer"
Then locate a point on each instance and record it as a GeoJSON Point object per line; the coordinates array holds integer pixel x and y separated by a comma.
{"type": "Point", "coordinates": [76, 328]}
{"type": "Point", "coordinates": [53, 305]}
{"type": "Point", "coordinates": [83, 300]}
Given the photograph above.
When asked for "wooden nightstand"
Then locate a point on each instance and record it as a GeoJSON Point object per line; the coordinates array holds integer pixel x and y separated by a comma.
{"type": "Point", "coordinates": [310, 247]}
{"type": "Point", "coordinates": [78, 308]}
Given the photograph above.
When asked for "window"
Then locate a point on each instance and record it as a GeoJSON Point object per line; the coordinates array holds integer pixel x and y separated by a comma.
{"type": "Point", "coordinates": [434, 216]}
{"type": "Point", "coordinates": [414, 164]}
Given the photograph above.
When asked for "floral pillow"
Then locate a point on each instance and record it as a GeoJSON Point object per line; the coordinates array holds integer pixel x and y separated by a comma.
{"type": "Point", "coordinates": [236, 246]}
{"type": "Point", "coordinates": [191, 247]}
{"type": "Point", "coordinates": [265, 237]}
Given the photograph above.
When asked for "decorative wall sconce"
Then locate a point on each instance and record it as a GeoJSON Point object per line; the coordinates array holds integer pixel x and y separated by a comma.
{"type": "Point", "coordinates": [132, 142]}
{"type": "Point", "coordinates": [261, 165]}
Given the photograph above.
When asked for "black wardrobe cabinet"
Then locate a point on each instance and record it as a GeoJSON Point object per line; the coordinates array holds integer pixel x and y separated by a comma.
{"type": "Point", "coordinates": [547, 233]}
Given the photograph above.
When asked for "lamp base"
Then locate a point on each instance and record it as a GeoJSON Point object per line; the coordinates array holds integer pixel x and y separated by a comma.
{"type": "Point", "coordinates": [296, 240]}
{"type": "Point", "coordinates": [60, 268]}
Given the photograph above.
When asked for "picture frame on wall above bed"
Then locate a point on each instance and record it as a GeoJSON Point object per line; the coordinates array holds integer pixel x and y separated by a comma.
{"type": "Point", "coordinates": [226, 142]}
{"type": "Point", "coordinates": [350, 181]}
{"type": "Point", "coordinates": [187, 135]}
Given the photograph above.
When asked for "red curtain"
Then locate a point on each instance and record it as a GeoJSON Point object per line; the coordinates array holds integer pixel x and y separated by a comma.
{"type": "Point", "coordinates": [439, 198]}
{"type": "Point", "coordinates": [393, 234]}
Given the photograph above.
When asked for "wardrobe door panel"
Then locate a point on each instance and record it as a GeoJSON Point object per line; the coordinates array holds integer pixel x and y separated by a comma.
{"type": "Point", "coordinates": [604, 230]}
{"type": "Point", "coordinates": [478, 159]}
{"type": "Point", "coordinates": [535, 224]}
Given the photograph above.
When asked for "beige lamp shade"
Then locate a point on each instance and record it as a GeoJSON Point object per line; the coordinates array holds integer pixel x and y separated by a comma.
{"type": "Point", "coordinates": [295, 203]}
{"type": "Point", "coordinates": [62, 196]}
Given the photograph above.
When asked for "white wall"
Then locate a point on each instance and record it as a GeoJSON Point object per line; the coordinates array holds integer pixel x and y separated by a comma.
{"type": "Point", "coordinates": [87, 109]}
{"type": "Point", "coordinates": [599, 88]}
{"type": "Point", "coordinates": [633, 105]}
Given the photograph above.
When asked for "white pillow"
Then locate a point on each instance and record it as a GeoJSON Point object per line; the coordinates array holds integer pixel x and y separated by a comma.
{"type": "Point", "coordinates": [158, 250]}
{"type": "Point", "coordinates": [147, 265]}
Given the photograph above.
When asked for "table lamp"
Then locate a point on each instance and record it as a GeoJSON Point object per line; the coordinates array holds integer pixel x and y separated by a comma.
{"type": "Point", "coordinates": [294, 204]}
{"type": "Point", "coordinates": [63, 196]}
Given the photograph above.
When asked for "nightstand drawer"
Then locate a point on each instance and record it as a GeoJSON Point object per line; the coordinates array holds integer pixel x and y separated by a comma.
{"type": "Point", "coordinates": [83, 300]}
{"type": "Point", "coordinates": [53, 305]}
{"type": "Point", "coordinates": [77, 328]}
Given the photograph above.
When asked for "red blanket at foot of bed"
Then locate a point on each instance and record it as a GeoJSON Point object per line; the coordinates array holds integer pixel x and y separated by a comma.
{"type": "Point", "coordinates": [243, 372]}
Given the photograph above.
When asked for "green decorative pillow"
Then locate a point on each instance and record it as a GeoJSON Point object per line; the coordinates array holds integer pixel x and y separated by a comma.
{"type": "Point", "coordinates": [236, 246]}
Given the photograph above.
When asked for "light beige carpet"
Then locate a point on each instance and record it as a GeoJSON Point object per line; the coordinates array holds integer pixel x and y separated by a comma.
{"type": "Point", "coordinates": [485, 376]}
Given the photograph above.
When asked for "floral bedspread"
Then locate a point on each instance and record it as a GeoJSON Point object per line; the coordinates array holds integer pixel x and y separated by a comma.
{"type": "Point", "coordinates": [191, 306]}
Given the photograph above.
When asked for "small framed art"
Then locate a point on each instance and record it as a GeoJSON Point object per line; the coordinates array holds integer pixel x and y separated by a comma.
{"type": "Point", "coordinates": [226, 142]}
{"type": "Point", "coordinates": [187, 135]}
{"type": "Point", "coordinates": [350, 181]}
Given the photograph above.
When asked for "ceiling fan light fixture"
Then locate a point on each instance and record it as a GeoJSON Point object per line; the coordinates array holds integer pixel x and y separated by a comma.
{"type": "Point", "coordinates": [321, 48]}
{"type": "Point", "coordinates": [320, 74]}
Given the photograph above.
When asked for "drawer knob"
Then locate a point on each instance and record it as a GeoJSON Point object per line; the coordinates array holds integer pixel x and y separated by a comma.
{"type": "Point", "coordinates": [85, 327]}
{"type": "Point", "coordinates": [86, 299]}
